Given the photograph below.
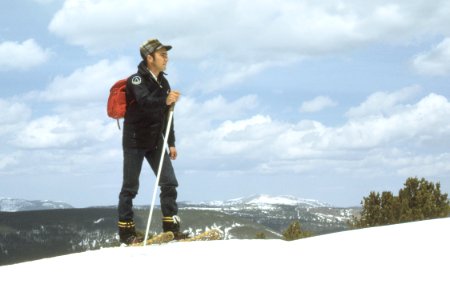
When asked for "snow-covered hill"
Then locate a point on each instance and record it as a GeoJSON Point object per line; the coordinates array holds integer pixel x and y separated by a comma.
{"type": "Point", "coordinates": [277, 212]}
{"type": "Point", "coordinates": [265, 200]}
{"type": "Point", "coordinates": [13, 205]}
{"type": "Point", "coordinates": [406, 261]}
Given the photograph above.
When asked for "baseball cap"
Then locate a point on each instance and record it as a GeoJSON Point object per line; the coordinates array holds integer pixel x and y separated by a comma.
{"type": "Point", "coordinates": [151, 46]}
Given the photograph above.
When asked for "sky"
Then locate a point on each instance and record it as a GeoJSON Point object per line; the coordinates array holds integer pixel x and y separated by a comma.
{"type": "Point", "coordinates": [325, 100]}
{"type": "Point", "coordinates": [402, 261]}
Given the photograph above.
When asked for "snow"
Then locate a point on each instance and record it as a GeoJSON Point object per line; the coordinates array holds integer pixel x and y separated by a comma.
{"type": "Point", "coordinates": [267, 200]}
{"type": "Point", "coordinates": [406, 261]}
{"type": "Point", "coordinates": [203, 208]}
{"type": "Point", "coordinates": [8, 204]}
{"type": "Point", "coordinates": [99, 220]}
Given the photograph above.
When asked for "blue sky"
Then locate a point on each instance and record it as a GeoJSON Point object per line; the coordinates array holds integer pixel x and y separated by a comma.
{"type": "Point", "coordinates": [326, 100]}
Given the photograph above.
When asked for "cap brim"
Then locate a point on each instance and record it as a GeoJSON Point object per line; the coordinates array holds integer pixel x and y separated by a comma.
{"type": "Point", "coordinates": [167, 47]}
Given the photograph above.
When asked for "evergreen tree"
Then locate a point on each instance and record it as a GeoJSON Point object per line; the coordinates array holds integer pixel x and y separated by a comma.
{"type": "Point", "coordinates": [423, 200]}
{"type": "Point", "coordinates": [377, 210]}
{"type": "Point", "coordinates": [294, 232]}
{"type": "Point", "coordinates": [417, 200]}
{"type": "Point", "coordinates": [260, 235]}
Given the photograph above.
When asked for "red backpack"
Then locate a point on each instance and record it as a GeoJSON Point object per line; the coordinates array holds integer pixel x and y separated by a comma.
{"type": "Point", "coordinates": [117, 100]}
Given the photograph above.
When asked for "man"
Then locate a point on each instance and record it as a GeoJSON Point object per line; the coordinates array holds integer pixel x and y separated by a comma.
{"type": "Point", "coordinates": [148, 101]}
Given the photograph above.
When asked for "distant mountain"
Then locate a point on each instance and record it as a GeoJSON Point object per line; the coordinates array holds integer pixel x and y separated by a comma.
{"type": "Point", "coordinates": [264, 200]}
{"type": "Point", "coordinates": [277, 212]}
{"type": "Point", "coordinates": [13, 205]}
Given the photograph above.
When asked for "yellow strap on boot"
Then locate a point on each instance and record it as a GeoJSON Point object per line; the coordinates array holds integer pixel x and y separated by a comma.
{"type": "Point", "coordinates": [126, 224]}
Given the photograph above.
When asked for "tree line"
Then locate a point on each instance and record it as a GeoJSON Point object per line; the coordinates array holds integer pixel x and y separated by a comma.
{"type": "Point", "coordinates": [418, 200]}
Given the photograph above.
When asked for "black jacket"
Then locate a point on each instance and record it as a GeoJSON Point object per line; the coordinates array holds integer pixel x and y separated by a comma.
{"type": "Point", "coordinates": [146, 114]}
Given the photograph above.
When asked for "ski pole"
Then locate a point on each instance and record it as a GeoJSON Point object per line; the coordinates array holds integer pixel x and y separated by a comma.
{"type": "Point", "coordinates": [158, 175]}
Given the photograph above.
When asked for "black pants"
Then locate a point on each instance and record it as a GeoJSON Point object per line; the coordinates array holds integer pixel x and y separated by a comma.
{"type": "Point", "coordinates": [132, 165]}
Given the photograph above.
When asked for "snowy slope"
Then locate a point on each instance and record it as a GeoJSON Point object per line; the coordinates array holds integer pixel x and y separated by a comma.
{"type": "Point", "coordinates": [391, 262]}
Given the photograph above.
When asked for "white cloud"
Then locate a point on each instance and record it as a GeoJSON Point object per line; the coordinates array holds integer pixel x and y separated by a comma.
{"type": "Point", "coordinates": [229, 74]}
{"type": "Point", "coordinates": [238, 136]}
{"type": "Point", "coordinates": [407, 127]}
{"type": "Point", "coordinates": [436, 61]}
{"type": "Point", "coordinates": [79, 113]}
{"type": "Point", "coordinates": [317, 104]}
{"type": "Point", "coordinates": [74, 128]}
{"type": "Point", "coordinates": [220, 134]}
{"type": "Point", "coordinates": [240, 39]}
{"type": "Point", "coordinates": [46, 132]}
{"type": "Point", "coordinates": [382, 103]}
{"type": "Point", "coordinates": [14, 116]}
{"type": "Point", "coordinates": [201, 116]}
{"type": "Point", "coordinates": [6, 161]}
{"type": "Point", "coordinates": [13, 112]}
{"type": "Point", "coordinates": [265, 144]}
{"type": "Point", "coordinates": [389, 133]}
{"type": "Point", "coordinates": [22, 56]}
{"type": "Point", "coordinates": [426, 165]}
{"type": "Point", "coordinates": [88, 84]}
{"type": "Point", "coordinates": [237, 29]}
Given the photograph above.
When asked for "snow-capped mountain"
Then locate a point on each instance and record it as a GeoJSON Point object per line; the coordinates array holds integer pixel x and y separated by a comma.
{"type": "Point", "coordinates": [264, 200]}
{"type": "Point", "coordinates": [277, 212]}
{"type": "Point", "coordinates": [13, 205]}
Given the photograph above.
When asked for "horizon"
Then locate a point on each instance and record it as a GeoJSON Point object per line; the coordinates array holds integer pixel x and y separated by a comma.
{"type": "Point", "coordinates": [326, 101]}
{"type": "Point", "coordinates": [211, 202]}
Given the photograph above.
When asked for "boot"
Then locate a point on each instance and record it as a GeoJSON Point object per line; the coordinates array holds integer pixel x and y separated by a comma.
{"type": "Point", "coordinates": [173, 224]}
{"type": "Point", "coordinates": [127, 233]}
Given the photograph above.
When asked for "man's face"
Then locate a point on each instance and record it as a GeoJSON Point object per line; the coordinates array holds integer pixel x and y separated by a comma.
{"type": "Point", "coordinates": [160, 59]}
